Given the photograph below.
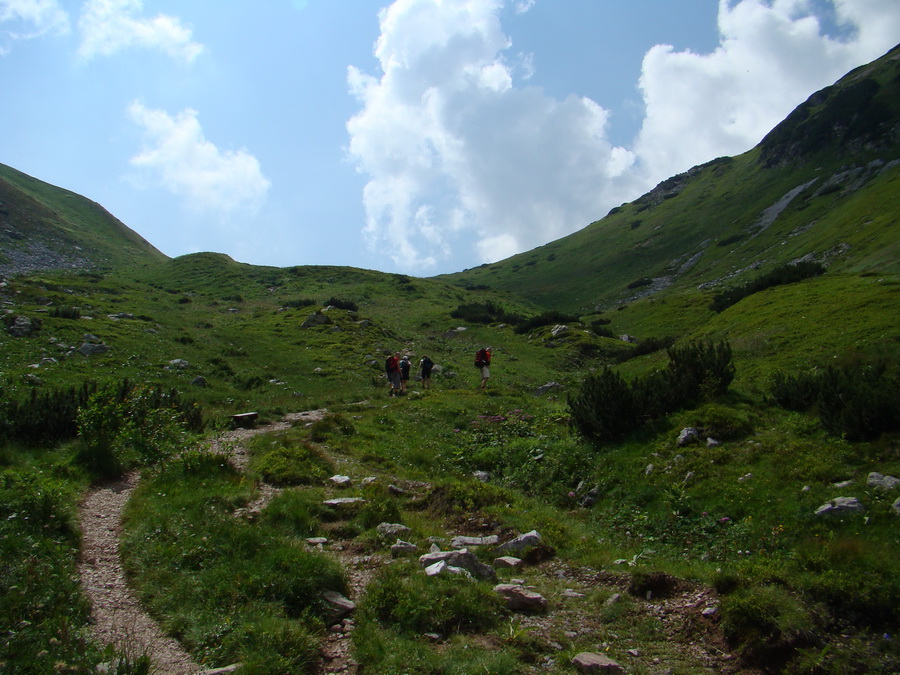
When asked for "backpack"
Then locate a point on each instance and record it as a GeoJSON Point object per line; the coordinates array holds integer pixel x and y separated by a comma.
{"type": "Point", "coordinates": [480, 358]}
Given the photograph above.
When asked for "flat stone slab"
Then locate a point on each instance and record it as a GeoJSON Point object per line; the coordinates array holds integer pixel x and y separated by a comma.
{"type": "Point", "coordinates": [465, 542]}
{"type": "Point", "coordinates": [343, 501]}
{"type": "Point", "coordinates": [590, 662]}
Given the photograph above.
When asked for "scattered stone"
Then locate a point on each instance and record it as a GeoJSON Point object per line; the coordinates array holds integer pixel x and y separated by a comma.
{"type": "Point", "coordinates": [710, 612]}
{"type": "Point", "coordinates": [403, 548]}
{"type": "Point", "coordinates": [878, 480]}
{"type": "Point", "coordinates": [315, 319]}
{"type": "Point", "coordinates": [391, 529]}
{"type": "Point", "coordinates": [746, 476]}
{"type": "Point", "coordinates": [20, 326]}
{"type": "Point", "coordinates": [544, 388]}
{"type": "Point", "coordinates": [339, 607]}
{"type": "Point", "coordinates": [843, 484]}
{"type": "Point", "coordinates": [591, 498]}
{"type": "Point", "coordinates": [341, 481]}
{"type": "Point", "coordinates": [464, 542]}
{"type": "Point", "coordinates": [200, 381]}
{"type": "Point", "coordinates": [441, 567]}
{"type": "Point", "coordinates": [461, 558]}
{"type": "Point", "coordinates": [840, 506]}
{"type": "Point", "coordinates": [633, 652]}
{"type": "Point", "coordinates": [712, 442]}
{"type": "Point", "coordinates": [687, 436]}
{"type": "Point", "coordinates": [896, 506]}
{"type": "Point", "coordinates": [591, 662]}
{"type": "Point", "coordinates": [181, 364]}
{"type": "Point", "coordinates": [508, 562]}
{"type": "Point", "coordinates": [522, 542]}
{"type": "Point", "coordinates": [316, 541]}
{"type": "Point", "coordinates": [396, 491]}
{"type": "Point", "coordinates": [648, 469]}
{"type": "Point", "coordinates": [519, 598]}
{"type": "Point", "coordinates": [569, 593]}
{"type": "Point", "coordinates": [233, 668]}
{"type": "Point", "coordinates": [121, 315]}
{"type": "Point", "coordinates": [92, 349]}
{"type": "Point", "coordinates": [483, 476]}
{"type": "Point", "coordinates": [245, 420]}
{"type": "Point", "coordinates": [558, 330]}
{"type": "Point", "coordinates": [614, 598]}
{"type": "Point", "coordinates": [343, 501]}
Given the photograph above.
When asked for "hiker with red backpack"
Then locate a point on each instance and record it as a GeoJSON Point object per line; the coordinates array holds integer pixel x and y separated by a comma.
{"type": "Point", "coordinates": [392, 370]}
{"type": "Point", "coordinates": [483, 363]}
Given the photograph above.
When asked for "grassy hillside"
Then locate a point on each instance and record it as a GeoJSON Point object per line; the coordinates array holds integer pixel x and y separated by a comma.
{"type": "Point", "coordinates": [45, 227]}
{"type": "Point", "coordinates": [666, 556]}
{"type": "Point", "coordinates": [823, 185]}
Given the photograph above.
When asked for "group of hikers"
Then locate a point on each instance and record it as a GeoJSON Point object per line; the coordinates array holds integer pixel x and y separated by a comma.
{"type": "Point", "coordinates": [397, 368]}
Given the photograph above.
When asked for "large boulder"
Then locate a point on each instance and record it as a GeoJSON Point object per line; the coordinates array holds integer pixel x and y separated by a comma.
{"type": "Point", "coordinates": [521, 543]}
{"type": "Point", "coordinates": [878, 480]}
{"type": "Point", "coordinates": [315, 319]}
{"type": "Point", "coordinates": [21, 326]}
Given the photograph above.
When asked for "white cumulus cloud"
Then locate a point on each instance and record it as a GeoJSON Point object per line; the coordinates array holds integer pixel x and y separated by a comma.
{"type": "Point", "coordinates": [453, 149]}
{"type": "Point", "coordinates": [109, 26]}
{"type": "Point", "coordinates": [184, 162]}
{"type": "Point", "coordinates": [29, 19]}
{"type": "Point", "coordinates": [458, 149]}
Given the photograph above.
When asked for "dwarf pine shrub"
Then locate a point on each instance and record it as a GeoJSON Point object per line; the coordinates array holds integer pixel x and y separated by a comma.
{"type": "Point", "coordinates": [607, 408]}
{"type": "Point", "coordinates": [544, 319]}
{"type": "Point", "coordinates": [858, 402]}
{"type": "Point", "coordinates": [784, 274]}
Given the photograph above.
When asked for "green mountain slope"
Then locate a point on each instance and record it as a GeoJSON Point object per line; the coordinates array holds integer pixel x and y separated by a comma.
{"type": "Point", "coordinates": [823, 186]}
{"type": "Point", "coordinates": [43, 227]}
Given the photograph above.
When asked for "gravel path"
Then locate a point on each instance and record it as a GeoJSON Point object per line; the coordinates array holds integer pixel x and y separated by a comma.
{"type": "Point", "coordinates": [116, 613]}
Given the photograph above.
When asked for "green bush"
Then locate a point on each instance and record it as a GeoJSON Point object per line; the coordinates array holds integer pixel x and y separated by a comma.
{"type": "Point", "coordinates": [607, 408]}
{"type": "Point", "coordinates": [332, 424]}
{"type": "Point", "coordinates": [339, 303]}
{"type": "Point", "coordinates": [44, 417]}
{"type": "Point", "coordinates": [484, 312]}
{"type": "Point", "coordinates": [858, 402]}
{"type": "Point", "coordinates": [288, 461]}
{"type": "Point", "coordinates": [604, 409]}
{"type": "Point", "coordinates": [65, 312]}
{"type": "Point", "coordinates": [126, 425]}
{"type": "Point", "coordinates": [796, 392]}
{"type": "Point", "coordinates": [404, 598]}
{"type": "Point", "coordinates": [548, 318]}
{"type": "Point", "coordinates": [767, 623]}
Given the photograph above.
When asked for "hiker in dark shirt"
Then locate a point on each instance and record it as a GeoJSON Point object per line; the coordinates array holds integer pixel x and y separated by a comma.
{"type": "Point", "coordinates": [425, 366]}
{"type": "Point", "coordinates": [404, 373]}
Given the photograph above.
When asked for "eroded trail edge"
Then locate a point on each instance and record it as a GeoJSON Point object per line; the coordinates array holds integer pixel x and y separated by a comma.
{"type": "Point", "coordinates": [116, 613]}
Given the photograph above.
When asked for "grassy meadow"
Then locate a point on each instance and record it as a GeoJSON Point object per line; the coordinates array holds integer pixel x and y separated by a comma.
{"type": "Point", "coordinates": [736, 518]}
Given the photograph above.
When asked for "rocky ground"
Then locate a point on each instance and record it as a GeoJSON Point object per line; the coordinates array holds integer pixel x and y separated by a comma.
{"type": "Point", "coordinates": [685, 612]}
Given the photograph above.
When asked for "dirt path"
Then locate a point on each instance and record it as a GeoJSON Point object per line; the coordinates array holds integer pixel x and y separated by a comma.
{"type": "Point", "coordinates": [116, 613]}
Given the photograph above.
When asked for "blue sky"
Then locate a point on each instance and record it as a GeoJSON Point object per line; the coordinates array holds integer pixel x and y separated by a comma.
{"type": "Point", "coordinates": [416, 136]}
